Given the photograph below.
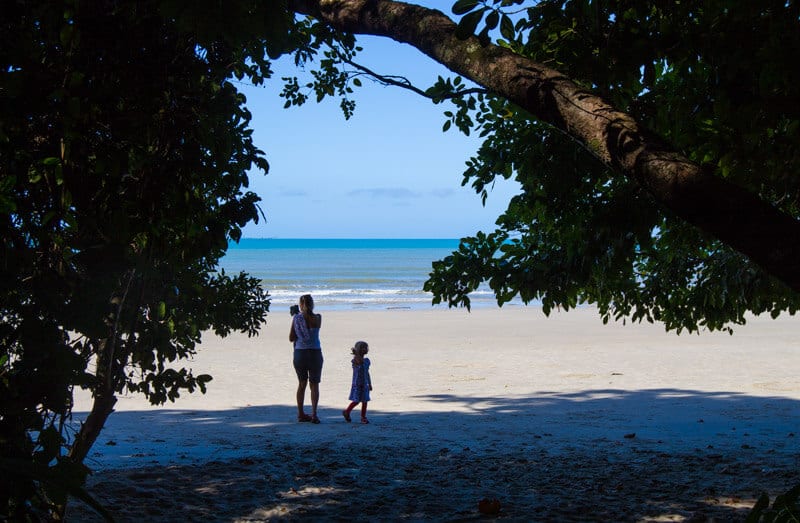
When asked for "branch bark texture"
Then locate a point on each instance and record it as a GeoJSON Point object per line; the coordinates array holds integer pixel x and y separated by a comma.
{"type": "Point", "coordinates": [735, 216]}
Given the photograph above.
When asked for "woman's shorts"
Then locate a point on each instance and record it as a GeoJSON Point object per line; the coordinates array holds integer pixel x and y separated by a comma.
{"type": "Point", "coordinates": [308, 364]}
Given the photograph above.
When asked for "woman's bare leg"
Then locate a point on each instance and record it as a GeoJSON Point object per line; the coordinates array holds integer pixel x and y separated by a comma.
{"type": "Point", "coordinates": [314, 398]}
{"type": "Point", "coordinates": [301, 396]}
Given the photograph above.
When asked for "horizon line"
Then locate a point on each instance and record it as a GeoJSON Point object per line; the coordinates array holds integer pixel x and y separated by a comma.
{"type": "Point", "coordinates": [344, 238]}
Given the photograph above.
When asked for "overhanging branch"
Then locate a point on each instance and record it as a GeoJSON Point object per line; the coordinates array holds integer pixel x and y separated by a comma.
{"type": "Point", "coordinates": [735, 216]}
{"type": "Point", "coordinates": [405, 83]}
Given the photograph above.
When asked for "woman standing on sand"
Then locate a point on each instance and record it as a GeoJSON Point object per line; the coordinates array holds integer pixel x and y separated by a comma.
{"type": "Point", "coordinates": [362, 382]}
{"type": "Point", "coordinates": [307, 355]}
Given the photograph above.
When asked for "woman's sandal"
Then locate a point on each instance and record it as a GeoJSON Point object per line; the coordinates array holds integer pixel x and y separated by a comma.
{"type": "Point", "coordinates": [304, 418]}
{"type": "Point", "coordinates": [365, 421]}
{"type": "Point", "coordinates": [346, 416]}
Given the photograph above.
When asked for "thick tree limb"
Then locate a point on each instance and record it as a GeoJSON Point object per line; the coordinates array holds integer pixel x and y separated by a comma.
{"type": "Point", "coordinates": [735, 216]}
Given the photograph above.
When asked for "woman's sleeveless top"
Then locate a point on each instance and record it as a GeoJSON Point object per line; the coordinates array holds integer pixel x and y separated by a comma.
{"type": "Point", "coordinates": [307, 337]}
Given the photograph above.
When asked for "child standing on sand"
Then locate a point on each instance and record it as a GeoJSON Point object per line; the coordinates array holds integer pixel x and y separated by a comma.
{"type": "Point", "coordinates": [362, 382]}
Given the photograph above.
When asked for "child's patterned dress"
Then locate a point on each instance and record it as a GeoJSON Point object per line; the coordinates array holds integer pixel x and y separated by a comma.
{"type": "Point", "coordinates": [359, 390]}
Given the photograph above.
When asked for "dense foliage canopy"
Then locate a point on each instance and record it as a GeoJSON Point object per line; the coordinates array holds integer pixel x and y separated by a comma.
{"type": "Point", "coordinates": [656, 146]}
{"type": "Point", "coordinates": [124, 151]}
{"type": "Point", "coordinates": [714, 79]}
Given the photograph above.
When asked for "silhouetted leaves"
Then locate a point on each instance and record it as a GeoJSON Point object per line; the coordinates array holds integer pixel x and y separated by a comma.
{"type": "Point", "coordinates": [712, 79]}
{"type": "Point", "coordinates": [124, 152]}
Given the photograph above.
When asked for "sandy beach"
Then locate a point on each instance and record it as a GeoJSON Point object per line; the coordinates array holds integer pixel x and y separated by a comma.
{"type": "Point", "coordinates": [558, 418]}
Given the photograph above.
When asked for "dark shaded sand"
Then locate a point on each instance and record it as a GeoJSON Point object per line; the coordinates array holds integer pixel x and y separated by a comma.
{"type": "Point", "coordinates": [616, 482]}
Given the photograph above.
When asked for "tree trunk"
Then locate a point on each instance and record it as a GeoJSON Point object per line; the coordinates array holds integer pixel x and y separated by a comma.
{"type": "Point", "coordinates": [102, 406]}
{"type": "Point", "coordinates": [737, 217]}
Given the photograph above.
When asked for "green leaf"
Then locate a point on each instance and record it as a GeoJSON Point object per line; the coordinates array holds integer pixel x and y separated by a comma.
{"type": "Point", "coordinates": [507, 28]}
{"type": "Point", "coordinates": [66, 34]}
{"type": "Point", "coordinates": [492, 19]}
{"type": "Point", "coordinates": [467, 25]}
{"type": "Point", "coordinates": [464, 6]}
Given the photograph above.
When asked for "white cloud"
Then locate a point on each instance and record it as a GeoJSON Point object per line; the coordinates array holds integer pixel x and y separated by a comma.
{"type": "Point", "coordinates": [293, 193]}
{"type": "Point", "coordinates": [394, 193]}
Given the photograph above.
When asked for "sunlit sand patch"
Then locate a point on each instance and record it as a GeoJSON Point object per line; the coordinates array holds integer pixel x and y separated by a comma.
{"type": "Point", "coordinates": [778, 386]}
{"type": "Point", "coordinates": [578, 376]}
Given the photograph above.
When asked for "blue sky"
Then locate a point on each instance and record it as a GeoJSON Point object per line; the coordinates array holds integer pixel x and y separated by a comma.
{"type": "Point", "coordinates": [388, 172]}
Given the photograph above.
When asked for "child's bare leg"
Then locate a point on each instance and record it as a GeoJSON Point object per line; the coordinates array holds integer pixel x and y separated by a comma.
{"type": "Point", "coordinates": [346, 412]}
{"type": "Point", "coordinates": [364, 412]}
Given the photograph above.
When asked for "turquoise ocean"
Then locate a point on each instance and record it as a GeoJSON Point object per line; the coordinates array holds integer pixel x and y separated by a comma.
{"type": "Point", "coordinates": [346, 274]}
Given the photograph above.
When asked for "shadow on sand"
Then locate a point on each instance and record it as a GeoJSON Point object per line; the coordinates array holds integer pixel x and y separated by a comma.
{"type": "Point", "coordinates": [596, 455]}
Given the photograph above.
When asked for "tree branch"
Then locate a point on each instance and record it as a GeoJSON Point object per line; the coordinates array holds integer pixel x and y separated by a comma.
{"type": "Point", "coordinates": [735, 216]}
{"type": "Point", "coordinates": [405, 83]}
